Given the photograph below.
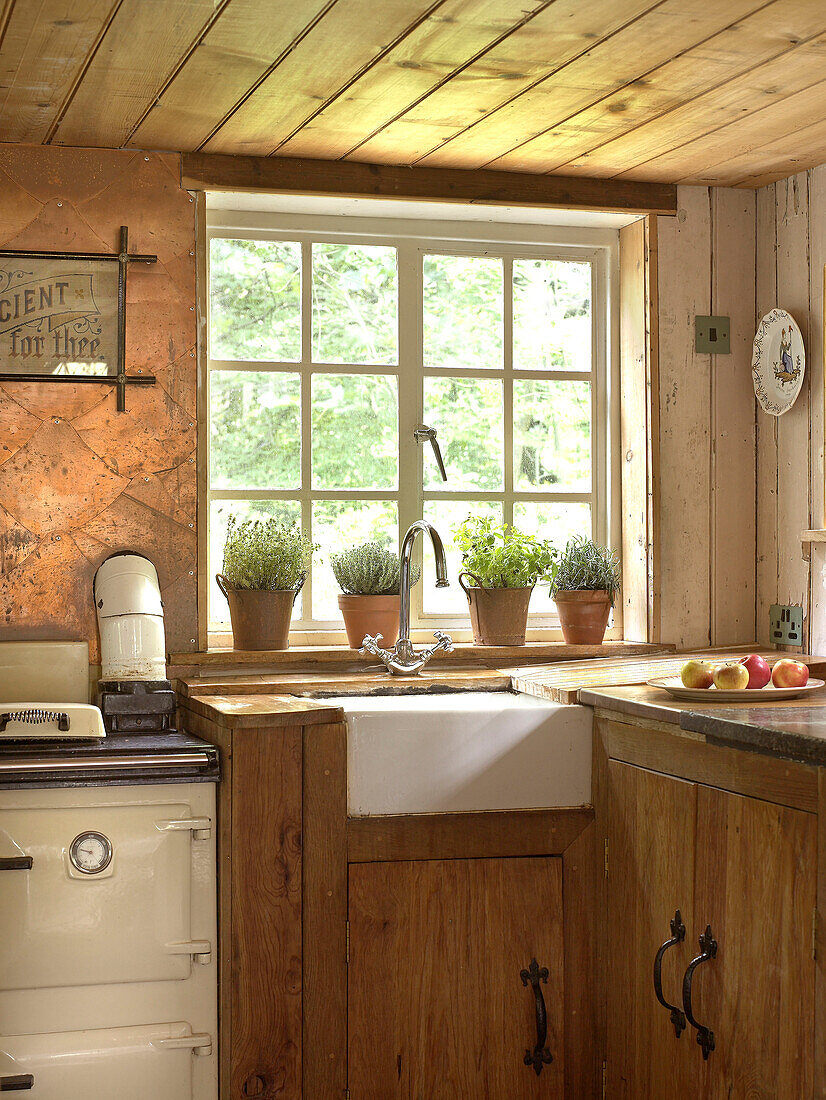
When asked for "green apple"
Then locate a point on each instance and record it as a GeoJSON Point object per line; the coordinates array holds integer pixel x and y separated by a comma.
{"type": "Point", "coordinates": [697, 674]}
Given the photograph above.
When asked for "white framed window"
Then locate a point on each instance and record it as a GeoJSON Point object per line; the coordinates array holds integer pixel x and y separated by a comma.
{"type": "Point", "coordinates": [332, 338]}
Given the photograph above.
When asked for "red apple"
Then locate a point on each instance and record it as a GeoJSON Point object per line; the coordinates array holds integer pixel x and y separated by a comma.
{"type": "Point", "coordinates": [731, 677]}
{"type": "Point", "coordinates": [790, 674]}
{"type": "Point", "coordinates": [758, 670]}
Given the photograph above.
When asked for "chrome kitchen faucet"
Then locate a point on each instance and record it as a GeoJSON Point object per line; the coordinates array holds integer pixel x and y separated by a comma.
{"type": "Point", "coordinates": [402, 659]}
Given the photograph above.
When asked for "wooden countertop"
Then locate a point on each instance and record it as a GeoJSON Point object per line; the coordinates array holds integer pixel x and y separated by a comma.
{"type": "Point", "coordinates": [563, 683]}
{"type": "Point", "coordinates": [279, 698]}
{"type": "Point", "coordinates": [262, 711]}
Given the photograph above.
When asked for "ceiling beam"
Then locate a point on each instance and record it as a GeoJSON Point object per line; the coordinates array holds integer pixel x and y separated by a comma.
{"type": "Point", "coordinates": [217, 172]}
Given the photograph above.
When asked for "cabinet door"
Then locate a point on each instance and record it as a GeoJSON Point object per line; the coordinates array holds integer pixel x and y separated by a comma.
{"type": "Point", "coordinates": [436, 1004]}
{"type": "Point", "coordinates": [651, 834]}
{"type": "Point", "coordinates": [755, 887]}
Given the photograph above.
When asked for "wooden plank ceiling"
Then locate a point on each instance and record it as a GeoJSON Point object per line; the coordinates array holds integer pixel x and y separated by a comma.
{"type": "Point", "coordinates": [670, 91]}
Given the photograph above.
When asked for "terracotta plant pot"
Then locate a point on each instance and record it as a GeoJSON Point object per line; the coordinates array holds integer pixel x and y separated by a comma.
{"type": "Point", "coordinates": [583, 616]}
{"type": "Point", "coordinates": [260, 619]}
{"type": "Point", "coordinates": [499, 616]}
{"type": "Point", "coordinates": [370, 615]}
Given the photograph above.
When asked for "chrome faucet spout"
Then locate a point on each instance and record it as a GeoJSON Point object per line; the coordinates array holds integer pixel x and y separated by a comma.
{"type": "Point", "coordinates": [403, 660]}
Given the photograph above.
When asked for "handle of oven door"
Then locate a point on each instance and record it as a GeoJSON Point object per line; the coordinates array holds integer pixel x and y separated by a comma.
{"type": "Point", "coordinates": [16, 1082]}
{"type": "Point", "coordinates": [198, 1044]}
{"type": "Point", "coordinates": [15, 863]}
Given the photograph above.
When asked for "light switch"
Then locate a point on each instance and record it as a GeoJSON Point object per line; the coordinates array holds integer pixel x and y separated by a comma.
{"type": "Point", "coordinates": [712, 335]}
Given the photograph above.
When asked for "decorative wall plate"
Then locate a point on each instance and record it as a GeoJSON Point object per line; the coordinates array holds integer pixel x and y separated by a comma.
{"type": "Point", "coordinates": [778, 362]}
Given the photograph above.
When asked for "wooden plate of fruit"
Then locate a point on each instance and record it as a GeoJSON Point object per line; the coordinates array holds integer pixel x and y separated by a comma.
{"type": "Point", "coordinates": [749, 680]}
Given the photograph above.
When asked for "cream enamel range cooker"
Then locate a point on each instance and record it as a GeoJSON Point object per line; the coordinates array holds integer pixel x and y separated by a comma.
{"type": "Point", "coordinates": [108, 969]}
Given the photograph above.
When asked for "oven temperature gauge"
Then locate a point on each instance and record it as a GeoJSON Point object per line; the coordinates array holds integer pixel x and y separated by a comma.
{"type": "Point", "coordinates": [90, 853]}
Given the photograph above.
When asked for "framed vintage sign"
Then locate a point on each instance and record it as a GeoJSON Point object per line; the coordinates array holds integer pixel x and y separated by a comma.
{"type": "Point", "coordinates": [63, 317]}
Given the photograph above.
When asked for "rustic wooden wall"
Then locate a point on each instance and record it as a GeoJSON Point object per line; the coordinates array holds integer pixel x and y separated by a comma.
{"type": "Point", "coordinates": [791, 253]}
{"type": "Point", "coordinates": [706, 265]}
{"type": "Point", "coordinates": [79, 480]}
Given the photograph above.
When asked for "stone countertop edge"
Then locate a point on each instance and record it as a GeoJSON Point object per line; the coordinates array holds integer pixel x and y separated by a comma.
{"type": "Point", "coordinates": [767, 740]}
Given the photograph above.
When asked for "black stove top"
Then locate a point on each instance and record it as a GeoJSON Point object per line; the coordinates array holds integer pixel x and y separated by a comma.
{"type": "Point", "coordinates": [118, 759]}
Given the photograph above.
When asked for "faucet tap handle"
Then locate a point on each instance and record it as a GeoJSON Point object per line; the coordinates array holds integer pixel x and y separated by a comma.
{"type": "Point", "coordinates": [370, 648]}
{"type": "Point", "coordinates": [443, 641]}
{"type": "Point", "coordinates": [370, 645]}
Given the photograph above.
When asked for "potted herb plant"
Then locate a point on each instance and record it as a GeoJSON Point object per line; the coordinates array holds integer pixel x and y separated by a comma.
{"type": "Point", "coordinates": [265, 565]}
{"type": "Point", "coordinates": [503, 565]}
{"type": "Point", "coordinates": [368, 576]}
{"type": "Point", "coordinates": [584, 589]}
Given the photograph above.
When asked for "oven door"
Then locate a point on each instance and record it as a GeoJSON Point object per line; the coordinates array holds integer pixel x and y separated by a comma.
{"type": "Point", "coordinates": [116, 908]}
{"type": "Point", "coordinates": [130, 1063]}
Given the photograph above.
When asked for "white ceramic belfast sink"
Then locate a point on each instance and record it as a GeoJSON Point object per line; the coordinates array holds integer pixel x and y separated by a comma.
{"type": "Point", "coordinates": [410, 754]}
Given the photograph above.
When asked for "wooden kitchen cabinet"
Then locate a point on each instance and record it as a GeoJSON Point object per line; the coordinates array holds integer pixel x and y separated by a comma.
{"type": "Point", "coordinates": [437, 1007]}
{"type": "Point", "coordinates": [747, 868]}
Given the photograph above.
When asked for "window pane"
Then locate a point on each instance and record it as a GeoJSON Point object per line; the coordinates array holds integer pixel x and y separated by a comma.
{"type": "Point", "coordinates": [338, 525]}
{"type": "Point", "coordinates": [467, 415]}
{"type": "Point", "coordinates": [551, 435]}
{"type": "Point", "coordinates": [446, 515]}
{"type": "Point", "coordinates": [255, 430]}
{"type": "Point", "coordinates": [355, 294]}
{"type": "Point", "coordinates": [287, 511]}
{"type": "Point", "coordinates": [255, 300]}
{"type": "Point", "coordinates": [551, 315]}
{"type": "Point", "coordinates": [462, 311]}
{"type": "Point", "coordinates": [355, 431]}
{"type": "Point", "coordinates": [556, 522]}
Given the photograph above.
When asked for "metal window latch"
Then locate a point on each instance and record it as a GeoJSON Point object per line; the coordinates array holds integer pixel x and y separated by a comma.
{"type": "Point", "coordinates": [422, 434]}
{"type": "Point", "coordinates": [200, 827]}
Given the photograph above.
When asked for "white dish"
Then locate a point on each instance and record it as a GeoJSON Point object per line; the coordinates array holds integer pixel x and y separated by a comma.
{"type": "Point", "coordinates": [757, 696]}
{"type": "Point", "coordinates": [778, 362]}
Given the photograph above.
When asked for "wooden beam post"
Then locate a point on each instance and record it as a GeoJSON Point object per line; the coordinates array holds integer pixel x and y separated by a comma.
{"type": "Point", "coordinates": [216, 172]}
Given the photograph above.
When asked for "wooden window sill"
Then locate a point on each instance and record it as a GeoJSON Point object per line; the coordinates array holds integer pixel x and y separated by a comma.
{"type": "Point", "coordinates": [334, 656]}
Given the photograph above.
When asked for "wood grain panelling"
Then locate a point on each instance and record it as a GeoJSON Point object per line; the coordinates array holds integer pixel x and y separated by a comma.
{"type": "Point", "coordinates": [238, 52]}
{"type": "Point", "coordinates": [79, 480]}
{"type": "Point", "coordinates": [684, 440]}
{"type": "Point", "coordinates": [791, 252]}
{"type": "Point", "coordinates": [348, 42]}
{"type": "Point", "coordinates": [706, 408]}
{"type": "Point", "coordinates": [458, 35]}
{"type": "Point", "coordinates": [142, 45]}
{"type": "Point", "coordinates": [669, 90]}
{"type": "Point", "coordinates": [552, 39]}
{"type": "Point", "coordinates": [732, 420]}
{"type": "Point", "coordinates": [751, 33]}
{"type": "Point", "coordinates": [51, 37]}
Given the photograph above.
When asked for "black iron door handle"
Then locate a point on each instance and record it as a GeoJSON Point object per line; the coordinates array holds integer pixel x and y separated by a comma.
{"type": "Point", "coordinates": [19, 1082]}
{"type": "Point", "coordinates": [677, 936]}
{"type": "Point", "coordinates": [708, 950]}
{"type": "Point", "coordinates": [540, 1055]}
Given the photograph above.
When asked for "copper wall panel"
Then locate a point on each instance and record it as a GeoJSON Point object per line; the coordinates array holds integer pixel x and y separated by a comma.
{"type": "Point", "coordinates": [79, 480]}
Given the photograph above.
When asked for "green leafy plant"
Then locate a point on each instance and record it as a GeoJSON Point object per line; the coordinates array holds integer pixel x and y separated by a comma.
{"type": "Point", "coordinates": [501, 556]}
{"type": "Point", "coordinates": [369, 570]}
{"type": "Point", "coordinates": [266, 555]}
{"type": "Point", "coordinates": [586, 567]}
